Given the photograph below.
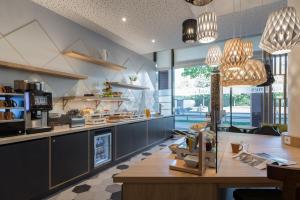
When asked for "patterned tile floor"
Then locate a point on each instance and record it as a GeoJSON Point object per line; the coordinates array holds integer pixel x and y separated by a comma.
{"type": "Point", "coordinates": [101, 186]}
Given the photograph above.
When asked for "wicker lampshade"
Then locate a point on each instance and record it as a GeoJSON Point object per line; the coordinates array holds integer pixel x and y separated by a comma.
{"type": "Point", "coordinates": [213, 57]}
{"type": "Point", "coordinates": [207, 27]}
{"type": "Point", "coordinates": [189, 31]}
{"type": "Point", "coordinates": [282, 31]}
{"type": "Point", "coordinates": [234, 54]}
{"type": "Point", "coordinates": [250, 74]}
{"type": "Point", "coordinates": [199, 2]}
{"type": "Point", "coordinates": [248, 48]}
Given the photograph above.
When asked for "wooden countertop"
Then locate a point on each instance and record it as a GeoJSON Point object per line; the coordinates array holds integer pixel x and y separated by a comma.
{"type": "Point", "coordinates": [230, 172]}
{"type": "Point", "coordinates": [66, 130]}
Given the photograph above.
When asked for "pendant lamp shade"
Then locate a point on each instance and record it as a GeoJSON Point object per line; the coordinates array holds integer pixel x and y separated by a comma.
{"type": "Point", "coordinates": [282, 31]}
{"type": "Point", "coordinates": [250, 74]}
{"type": "Point", "coordinates": [248, 48]}
{"type": "Point", "coordinates": [199, 2]}
{"type": "Point", "coordinates": [189, 31]}
{"type": "Point", "coordinates": [270, 77]}
{"type": "Point", "coordinates": [213, 57]}
{"type": "Point", "coordinates": [234, 55]}
{"type": "Point", "coordinates": [207, 27]}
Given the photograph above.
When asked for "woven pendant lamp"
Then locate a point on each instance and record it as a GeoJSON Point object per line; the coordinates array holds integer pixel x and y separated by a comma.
{"type": "Point", "coordinates": [199, 2]}
{"type": "Point", "coordinates": [250, 74]}
{"type": "Point", "coordinates": [234, 55]}
{"type": "Point", "coordinates": [282, 31]}
{"type": "Point", "coordinates": [189, 31]}
{"type": "Point", "coordinates": [270, 78]}
{"type": "Point", "coordinates": [214, 56]}
{"type": "Point", "coordinates": [207, 29]}
{"type": "Point", "coordinates": [248, 48]}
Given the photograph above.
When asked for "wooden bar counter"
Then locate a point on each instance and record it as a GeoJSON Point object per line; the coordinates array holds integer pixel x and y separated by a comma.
{"type": "Point", "coordinates": [151, 179]}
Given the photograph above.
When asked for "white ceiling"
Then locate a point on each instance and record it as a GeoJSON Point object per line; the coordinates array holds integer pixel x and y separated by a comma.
{"type": "Point", "coordinates": [158, 19]}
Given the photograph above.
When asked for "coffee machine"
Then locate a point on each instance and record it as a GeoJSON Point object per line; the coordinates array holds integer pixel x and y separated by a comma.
{"type": "Point", "coordinates": [38, 105]}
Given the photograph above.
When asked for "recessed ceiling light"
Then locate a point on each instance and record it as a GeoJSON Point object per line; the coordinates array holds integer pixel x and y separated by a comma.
{"type": "Point", "coordinates": [153, 41]}
{"type": "Point", "coordinates": [124, 19]}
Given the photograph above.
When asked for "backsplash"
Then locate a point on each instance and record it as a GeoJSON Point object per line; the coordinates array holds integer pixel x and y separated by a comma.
{"type": "Point", "coordinates": [36, 36]}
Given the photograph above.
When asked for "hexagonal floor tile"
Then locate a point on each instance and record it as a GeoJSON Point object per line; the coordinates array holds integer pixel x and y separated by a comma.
{"type": "Point", "coordinates": [113, 188]}
{"type": "Point", "coordinates": [81, 188]}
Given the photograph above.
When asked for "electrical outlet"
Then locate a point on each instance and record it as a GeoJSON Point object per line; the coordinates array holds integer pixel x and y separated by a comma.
{"type": "Point", "coordinates": [287, 139]}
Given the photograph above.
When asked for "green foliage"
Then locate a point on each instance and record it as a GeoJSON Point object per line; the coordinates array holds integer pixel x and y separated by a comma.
{"type": "Point", "coordinates": [241, 100]}
{"type": "Point", "coordinates": [198, 71]}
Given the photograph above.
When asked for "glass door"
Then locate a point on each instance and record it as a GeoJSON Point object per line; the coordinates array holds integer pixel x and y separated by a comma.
{"type": "Point", "coordinates": [102, 149]}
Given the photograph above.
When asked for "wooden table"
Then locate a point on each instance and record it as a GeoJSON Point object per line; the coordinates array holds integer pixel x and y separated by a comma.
{"type": "Point", "coordinates": [151, 179]}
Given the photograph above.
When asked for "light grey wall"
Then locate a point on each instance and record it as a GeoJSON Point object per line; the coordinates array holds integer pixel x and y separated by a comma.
{"type": "Point", "coordinates": [34, 35]}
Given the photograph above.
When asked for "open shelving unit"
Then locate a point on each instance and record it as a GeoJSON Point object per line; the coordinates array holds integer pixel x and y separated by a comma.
{"type": "Point", "coordinates": [39, 70]}
{"type": "Point", "coordinates": [128, 86]}
{"type": "Point", "coordinates": [9, 96]}
{"type": "Point", "coordinates": [97, 100]}
{"type": "Point", "coordinates": [13, 120]}
{"type": "Point", "coordinates": [11, 108]}
{"type": "Point", "coordinates": [90, 59]}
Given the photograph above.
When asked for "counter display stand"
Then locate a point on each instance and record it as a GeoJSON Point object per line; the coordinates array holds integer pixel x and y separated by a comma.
{"type": "Point", "coordinates": [179, 165]}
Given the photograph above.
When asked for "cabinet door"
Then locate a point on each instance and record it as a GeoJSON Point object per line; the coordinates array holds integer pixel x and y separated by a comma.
{"type": "Point", "coordinates": [130, 138]}
{"type": "Point", "coordinates": [69, 157]}
{"type": "Point", "coordinates": [155, 130]}
{"type": "Point", "coordinates": [24, 170]}
{"type": "Point", "coordinates": [169, 126]}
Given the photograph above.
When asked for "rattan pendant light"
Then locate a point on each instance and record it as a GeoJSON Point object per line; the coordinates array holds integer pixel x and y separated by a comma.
{"type": "Point", "coordinates": [214, 56]}
{"type": "Point", "coordinates": [199, 2]}
{"type": "Point", "coordinates": [252, 73]}
{"type": "Point", "coordinates": [207, 29]}
{"type": "Point", "coordinates": [248, 48]}
{"type": "Point", "coordinates": [189, 31]}
{"type": "Point", "coordinates": [282, 31]}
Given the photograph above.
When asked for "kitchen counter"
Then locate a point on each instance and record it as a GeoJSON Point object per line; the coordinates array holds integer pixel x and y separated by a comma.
{"type": "Point", "coordinates": [62, 130]}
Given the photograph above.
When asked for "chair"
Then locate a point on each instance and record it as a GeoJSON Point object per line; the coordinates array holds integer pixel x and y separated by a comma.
{"type": "Point", "coordinates": [267, 130]}
{"type": "Point", "coordinates": [290, 178]}
{"type": "Point", "coordinates": [234, 129]}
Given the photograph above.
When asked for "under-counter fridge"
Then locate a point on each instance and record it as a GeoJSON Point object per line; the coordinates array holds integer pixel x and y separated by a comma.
{"type": "Point", "coordinates": [102, 147]}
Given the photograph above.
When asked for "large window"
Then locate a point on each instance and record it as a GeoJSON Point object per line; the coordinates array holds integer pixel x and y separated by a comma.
{"type": "Point", "coordinates": [191, 95]}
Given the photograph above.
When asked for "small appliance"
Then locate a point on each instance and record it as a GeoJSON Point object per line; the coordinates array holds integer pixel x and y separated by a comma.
{"type": "Point", "coordinates": [38, 105]}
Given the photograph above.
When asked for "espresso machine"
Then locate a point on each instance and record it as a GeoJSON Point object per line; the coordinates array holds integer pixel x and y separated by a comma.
{"type": "Point", "coordinates": [38, 105]}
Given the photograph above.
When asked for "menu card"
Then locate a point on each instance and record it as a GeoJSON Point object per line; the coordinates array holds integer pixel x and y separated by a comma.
{"type": "Point", "coordinates": [260, 160]}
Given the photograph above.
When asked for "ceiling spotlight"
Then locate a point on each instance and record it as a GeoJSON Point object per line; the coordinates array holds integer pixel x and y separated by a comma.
{"type": "Point", "coordinates": [153, 41]}
{"type": "Point", "coordinates": [124, 19]}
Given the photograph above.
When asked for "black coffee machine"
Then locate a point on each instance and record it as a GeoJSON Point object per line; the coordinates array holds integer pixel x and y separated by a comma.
{"type": "Point", "coordinates": [38, 105]}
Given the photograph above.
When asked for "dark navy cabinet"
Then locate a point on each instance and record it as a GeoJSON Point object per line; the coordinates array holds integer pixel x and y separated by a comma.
{"type": "Point", "coordinates": [169, 125]}
{"type": "Point", "coordinates": [130, 138]}
{"type": "Point", "coordinates": [69, 157]}
{"type": "Point", "coordinates": [24, 170]}
{"type": "Point", "coordinates": [156, 130]}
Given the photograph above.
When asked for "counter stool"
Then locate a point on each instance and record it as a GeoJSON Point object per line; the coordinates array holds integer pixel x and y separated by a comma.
{"type": "Point", "coordinates": [290, 177]}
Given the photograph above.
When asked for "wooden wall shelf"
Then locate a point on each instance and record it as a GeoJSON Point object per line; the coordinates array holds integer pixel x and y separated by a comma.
{"type": "Point", "coordinates": [39, 70]}
{"type": "Point", "coordinates": [129, 86]}
{"type": "Point", "coordinates": [86, 58]}
{"type": "Point", "coordinates": [119, 100]}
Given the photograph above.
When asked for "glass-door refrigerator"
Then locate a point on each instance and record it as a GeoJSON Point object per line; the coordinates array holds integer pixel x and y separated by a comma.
{"type": "Point", "coordinates": [102, 147]}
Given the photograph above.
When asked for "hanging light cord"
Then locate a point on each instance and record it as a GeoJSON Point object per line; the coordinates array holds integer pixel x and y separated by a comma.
{"type": "Point", "coordinates": [233, 21]}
